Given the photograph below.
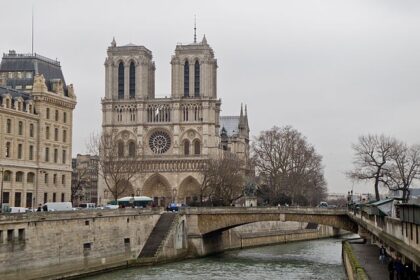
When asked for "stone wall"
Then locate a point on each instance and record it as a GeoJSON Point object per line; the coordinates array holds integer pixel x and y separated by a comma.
{"type": "Point", "coordinates": [53, 245]}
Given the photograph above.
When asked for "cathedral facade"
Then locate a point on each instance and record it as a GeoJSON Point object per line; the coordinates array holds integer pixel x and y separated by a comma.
{"type": "Point", "coordinates": [175, 135]}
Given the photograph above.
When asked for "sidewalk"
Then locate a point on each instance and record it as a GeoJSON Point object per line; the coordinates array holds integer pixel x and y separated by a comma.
{"type": "Point", "coordinates": [368, 257]}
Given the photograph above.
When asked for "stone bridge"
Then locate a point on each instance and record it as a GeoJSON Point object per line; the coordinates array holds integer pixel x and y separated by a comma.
{"type": "Point", "coordinates": [204, 221]}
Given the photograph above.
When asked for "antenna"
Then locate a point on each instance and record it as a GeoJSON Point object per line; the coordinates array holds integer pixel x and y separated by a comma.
{"type": "Point", "coordinates": [195, 29]}
{"type": "Point", "coordinates": [32, 34]}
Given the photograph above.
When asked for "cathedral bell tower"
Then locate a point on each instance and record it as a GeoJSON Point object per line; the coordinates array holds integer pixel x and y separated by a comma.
{"type": "Point", "coordinates": [129, 72]}
{"type": "Point", "coordinates": [194, 71]}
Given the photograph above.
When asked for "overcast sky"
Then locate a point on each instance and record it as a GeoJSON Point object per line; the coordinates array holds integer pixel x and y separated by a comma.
{"type": "Point", "coordinates": [332, 69]}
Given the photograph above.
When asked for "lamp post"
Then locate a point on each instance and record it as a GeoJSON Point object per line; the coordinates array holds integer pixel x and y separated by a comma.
{"type": "Point", "coordinates": [1, 190]}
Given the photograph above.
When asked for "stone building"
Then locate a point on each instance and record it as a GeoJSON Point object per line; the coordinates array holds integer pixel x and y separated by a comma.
{"type": "Point", "coordinates": [36, 107]}
{"type": "Point", "coordinates": [85, 179]}
{"type": "Point", "coordinates": [174, 134]}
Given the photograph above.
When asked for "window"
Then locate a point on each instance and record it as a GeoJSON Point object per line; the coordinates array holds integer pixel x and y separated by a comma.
{"type": "Point", "coordinates": [20, 128]}
{"type": "Point", "coordinates": [63, 179]}
{"type": "Point", "coordinates": [131, 149]}
{"type": "Point", "coordinates": [47, 113]}
{"type": "Point", "coordinates": [56, 134]}
{"type": "Point", "coordinates": [28, 200]}
{"type": "Point", "coordinates": [18, 196]}
{"type": "Point", "coordinates": [7, 176]}
{"type": "Point", "coordinates": [19, 176]}
{"type": "Point", "coordinates": [31, 130]}
{"type": "Point", "coordinates": [47, 154]}
{"type": "Point", "coordinates": [186, 147]}
{"type": "Point", "coordinates": [6, 197]}
{"type": "Point", "coordinates": [197, 147]}
{"type": "Point", "coordinates": [186, 79]}
{"type": "Point", "coordinates": [30, 109]}
{"type": "Point", "coordinates": [10, 233]}
{"type": "Point", "coordinates": [45, 197]}
{"type": "Point", "coordinates": [64, 117]}
{"type": "Point", "coordinates": [47, 132]}
{"type": "Point", "coordinates": [7, 103]}
{"type": "Point", "coordinates": [121, 81]}
{"type": "Point", "coordinates": [8, 149]}
{"type": "Point", "coordinates": [9, 126]}
{"type": "Point", "coordinates": [30, 177]}
{"type": "Point", "coordinates": [31, 152]}
{"type": "Point", "coordinates": [55, 155]}
{"type": "Point", "coordinates": [21, 234]}
{"type": "Point", "coordinates": [20, 151]}
{"type": "Point", "coordinates": [46, 178]}
{"type": "Point", "coordinates": [64, 157]}
{"type": "Point", "coordinates": [54, 197]}
{"type": "Point", "coordinates": [132, 80]}
{"type": "Point", "coordinates": [120, 149]}
{"type": "Point", "coordinates": [56, 115]}
{"type": "Point", "coordinates": [62, 197]}
{"type": "Point", "coordinates": [55, 179]}
{"type": "Point", "coordinates": [64, 136]}
{"type": "Point", "coordinates": [197, 79]}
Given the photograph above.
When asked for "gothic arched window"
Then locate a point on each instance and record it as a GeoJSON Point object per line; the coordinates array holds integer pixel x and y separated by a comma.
{"type": "Point", "coordinates": [132, 80]}
{"type": "Point", "coordinates": [121, 81]}
{"type": "Point", "coordinates": [186, 147]}
{"type": "Point", "coordinates": [186, 79]}
{"type": "Point", "coordinates": [197, 79]}
{"type": "Point", "coordinates": [131, 149]}
{"type": "Point", "coordinates": [197, 147]}
{"type": "Point", "coordinates": [120, 149]}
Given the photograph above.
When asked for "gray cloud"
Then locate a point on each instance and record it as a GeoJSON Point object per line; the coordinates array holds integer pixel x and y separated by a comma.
{"type": "Point", "coordinates": [332, 69]}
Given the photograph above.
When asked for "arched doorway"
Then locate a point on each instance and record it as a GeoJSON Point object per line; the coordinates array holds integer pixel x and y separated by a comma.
{"type": "Point", "coordinates": [157, 187]}
{"type": "Point", "coordinates": [189, 191]}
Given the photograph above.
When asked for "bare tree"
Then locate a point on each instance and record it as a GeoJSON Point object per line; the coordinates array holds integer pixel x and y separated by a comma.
{"type": "Point", "coordinates": [79, 180]}
{"type": "Point", "coordinates": [372, 156]}
{"type": "Point", "coordinates": [223, 179]}
{"type": "Point", "coordinates": [116, 167]}
{"type": "Point", "coordinates": [404, 169]}
{"type": "Point", "coordinates": [289, 168]}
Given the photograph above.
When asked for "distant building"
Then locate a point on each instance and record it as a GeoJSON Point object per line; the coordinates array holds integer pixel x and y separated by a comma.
{"type": "Point", "coordinates": [36, 117]}
{"type": "Point", "coordinates": [175, 135]}
{"type": "Point", "coordinates": [85, 175]}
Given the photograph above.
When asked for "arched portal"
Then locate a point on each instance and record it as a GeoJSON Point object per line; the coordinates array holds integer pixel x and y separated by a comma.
{"type": "Point", "coordinates": [158, 188]}
{"type": "Point", "coordinates": [189, 191]}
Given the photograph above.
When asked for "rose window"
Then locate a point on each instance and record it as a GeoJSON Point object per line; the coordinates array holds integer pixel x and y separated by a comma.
{"type": "Point", "coordinates": [160, 142]}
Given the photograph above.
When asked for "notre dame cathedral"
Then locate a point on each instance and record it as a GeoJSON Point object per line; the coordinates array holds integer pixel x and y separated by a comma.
{"type": "Point", "coordinates": [174, 135]}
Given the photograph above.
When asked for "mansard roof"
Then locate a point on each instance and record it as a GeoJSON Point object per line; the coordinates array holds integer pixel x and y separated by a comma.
{"type": "Point", "coordinates": [14, 93]}
{"type": "Point", "coordinates": [34, 63]}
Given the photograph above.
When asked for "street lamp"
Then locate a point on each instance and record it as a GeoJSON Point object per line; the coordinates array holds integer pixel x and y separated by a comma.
{"type": "Point", "coordinates": [1, 190]}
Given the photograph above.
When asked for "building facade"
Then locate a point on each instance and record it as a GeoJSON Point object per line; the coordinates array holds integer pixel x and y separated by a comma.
{"type": "Point", "coordinates": [36, 113]}
{"type": "Point", "coordinates": [176, 134]}
{"type": "Point", "coordinates": [85, 179]}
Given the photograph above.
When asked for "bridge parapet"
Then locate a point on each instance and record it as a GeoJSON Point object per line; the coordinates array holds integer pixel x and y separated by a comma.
{"type": "Point", "coordinates": [262, 210]}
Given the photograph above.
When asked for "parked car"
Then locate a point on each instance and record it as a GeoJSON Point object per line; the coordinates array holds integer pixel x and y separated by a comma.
{"type": "Point", "coordinates": [57, 206]}
{"type": "Point", "coordinates": [87, 205]}
{"type": "Point", "coordinates": [323, 204]}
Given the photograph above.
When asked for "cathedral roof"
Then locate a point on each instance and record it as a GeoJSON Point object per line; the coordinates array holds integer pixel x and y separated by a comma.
{"type": "Point", "coordinates": [230, 124]}
{"type": "Point", "coordinates": [31, 63]}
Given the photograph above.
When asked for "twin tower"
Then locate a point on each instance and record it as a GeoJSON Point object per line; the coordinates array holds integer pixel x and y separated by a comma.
{"type": "Point", "coordinates": [174, 135]}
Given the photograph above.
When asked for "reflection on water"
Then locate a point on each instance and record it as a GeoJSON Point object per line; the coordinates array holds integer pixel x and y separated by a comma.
{"type": "Point", "coordinates": [318, 259]}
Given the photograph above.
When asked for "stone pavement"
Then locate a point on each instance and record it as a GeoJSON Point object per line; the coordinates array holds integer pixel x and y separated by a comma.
{"type": "Point", "coordinates": [368, 257]}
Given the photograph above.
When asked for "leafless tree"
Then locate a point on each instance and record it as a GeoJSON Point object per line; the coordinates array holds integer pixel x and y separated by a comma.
{"type": "Point", "coordinates": [223, 179]}
{"type": "Point", "coordinates": [79, 180]}
{"type": "Point", "coordinates": [372, 156]}
{"type": "Point", "coordinates": [116, 167]}
{"type": "Point", "coordinates": [289, 168]}
{"type": "Point", "coordinates": [404, 168]}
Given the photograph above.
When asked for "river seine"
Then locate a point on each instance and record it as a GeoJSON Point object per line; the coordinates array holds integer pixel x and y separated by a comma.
{"type": "Point", "coordinates": [318, 259]}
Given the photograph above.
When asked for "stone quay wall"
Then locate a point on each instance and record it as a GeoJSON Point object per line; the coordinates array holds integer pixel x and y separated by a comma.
{"type": "Point", "coordinates": [62, 244]}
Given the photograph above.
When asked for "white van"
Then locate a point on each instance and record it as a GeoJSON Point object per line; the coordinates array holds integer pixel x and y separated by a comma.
{"type": "Point", "coordinates": [57, 206]}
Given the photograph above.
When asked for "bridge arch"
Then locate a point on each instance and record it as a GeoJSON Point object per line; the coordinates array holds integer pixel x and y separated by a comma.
{"type": "Point", "coordinates": [217, 220]}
